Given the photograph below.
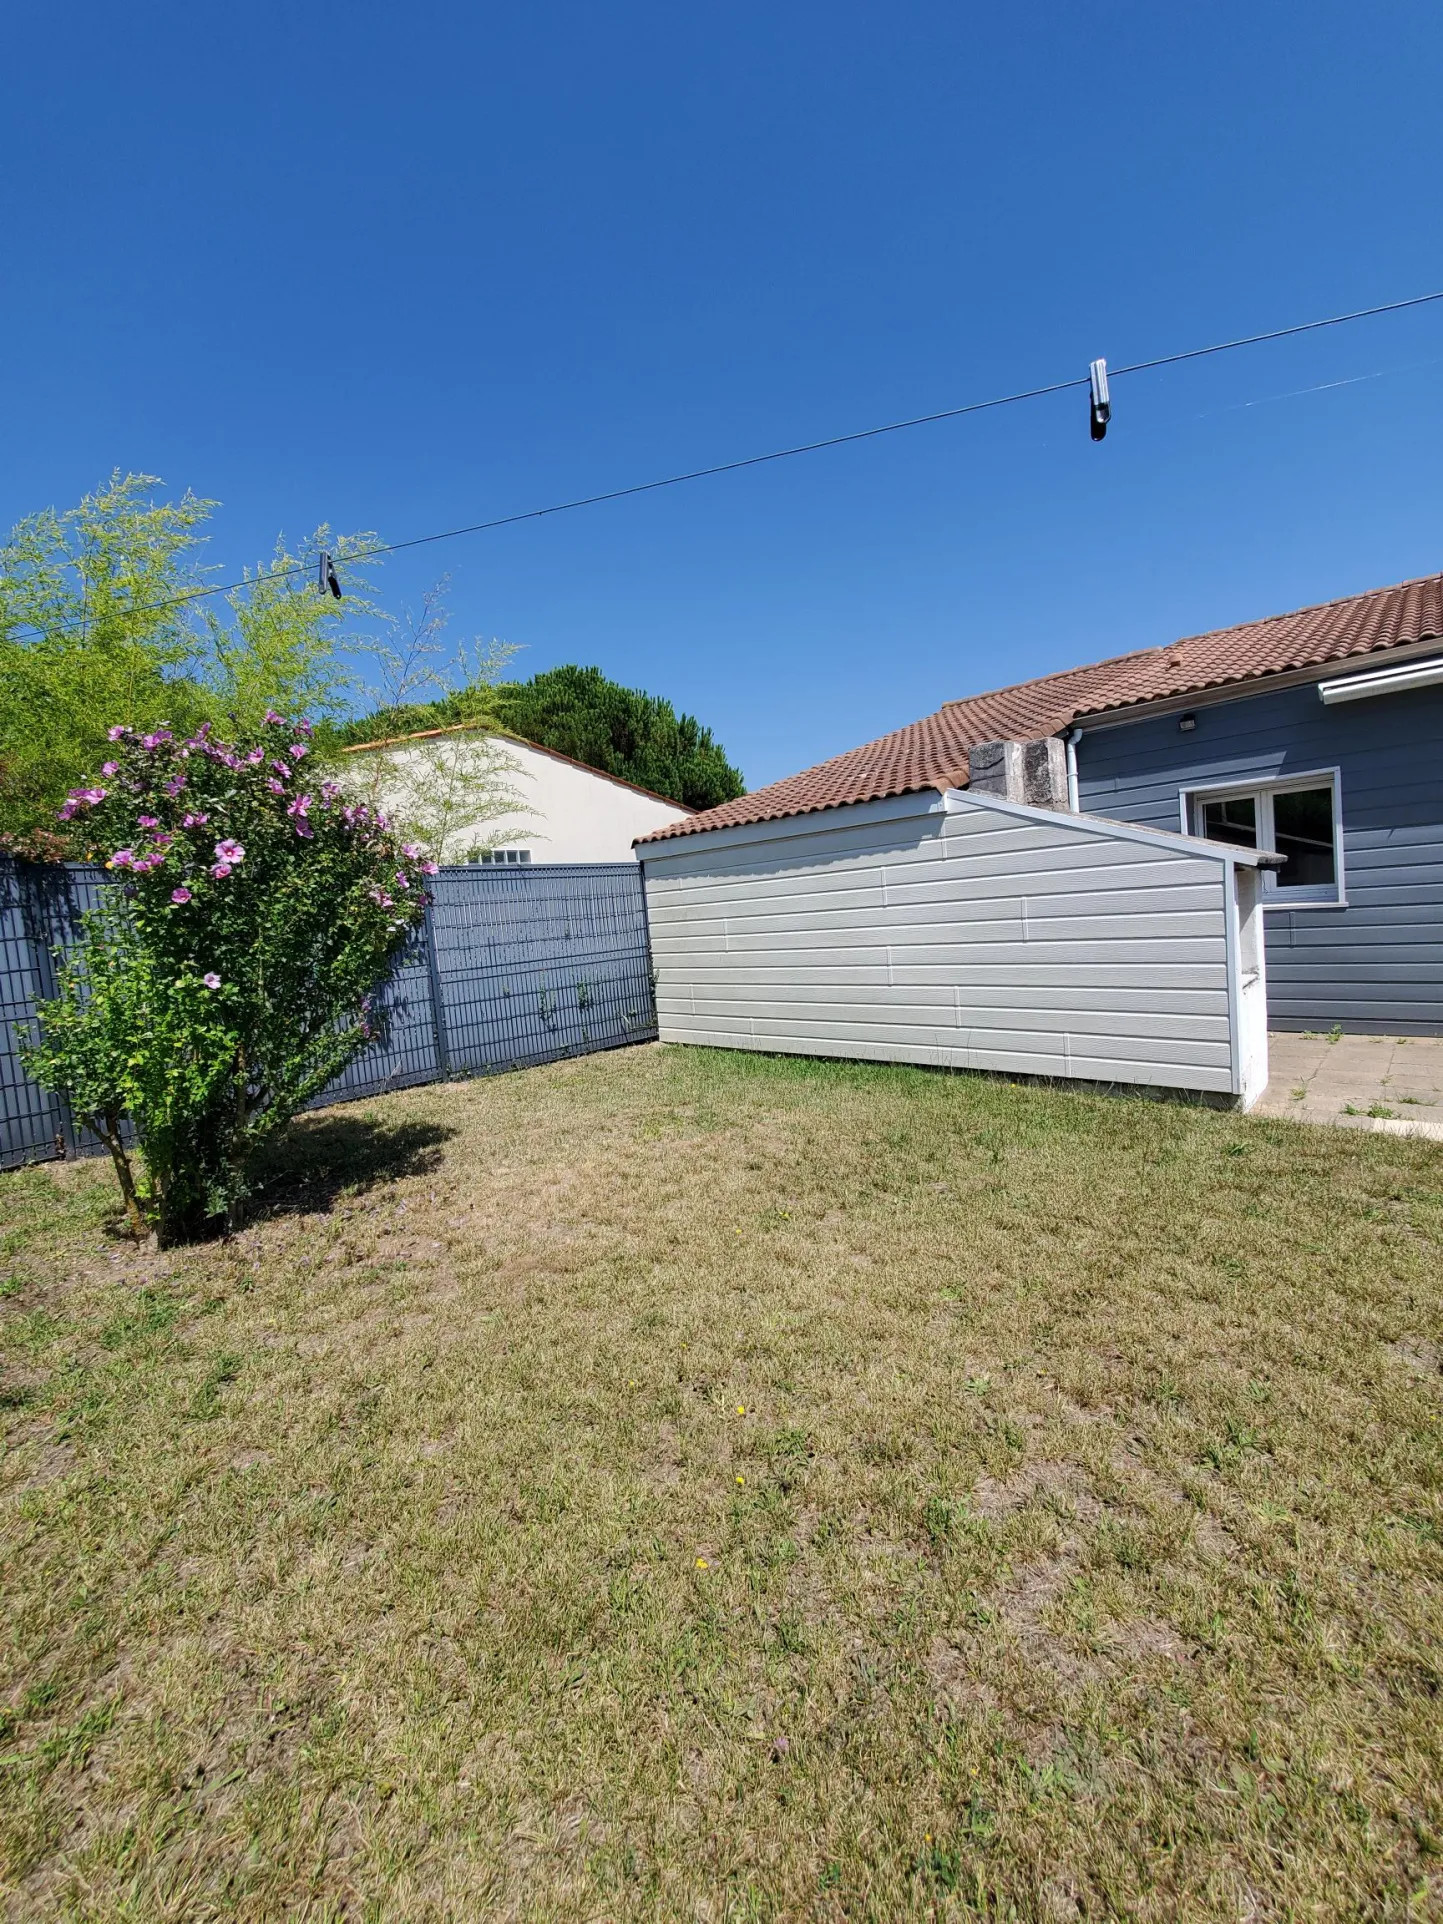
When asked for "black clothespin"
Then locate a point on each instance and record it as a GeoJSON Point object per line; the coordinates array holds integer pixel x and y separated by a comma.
{"type": "Point", "coordinates": [326, 576]}
{"type": "Point", "coordinates": [1100, 410]}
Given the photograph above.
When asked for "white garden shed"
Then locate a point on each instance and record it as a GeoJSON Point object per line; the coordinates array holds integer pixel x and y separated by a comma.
{"type": "Point", "coordinates": [962, 930]}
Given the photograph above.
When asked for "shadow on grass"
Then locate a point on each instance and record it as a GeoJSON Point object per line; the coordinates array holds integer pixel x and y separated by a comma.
{"type": "Point", "coordinates": [321, 1158]}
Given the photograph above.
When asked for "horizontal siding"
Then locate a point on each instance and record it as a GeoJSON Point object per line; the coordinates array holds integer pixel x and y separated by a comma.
{"type": "Point", "coordinates": [1377, 964]}
{"type": "Point", "coordinates": [970, 939]}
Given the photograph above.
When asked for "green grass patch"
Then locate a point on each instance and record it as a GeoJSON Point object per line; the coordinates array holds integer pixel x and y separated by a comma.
{"type": "Point", "coordinates": [683, 1484]}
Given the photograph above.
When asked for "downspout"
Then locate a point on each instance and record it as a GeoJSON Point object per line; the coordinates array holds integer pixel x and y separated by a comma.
{"type": "Point", "coordinates": [1074, 736]}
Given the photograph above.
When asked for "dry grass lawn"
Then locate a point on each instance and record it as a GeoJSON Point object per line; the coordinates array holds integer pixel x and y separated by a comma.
{"type": "Point", "coordinates": [684, 1485]}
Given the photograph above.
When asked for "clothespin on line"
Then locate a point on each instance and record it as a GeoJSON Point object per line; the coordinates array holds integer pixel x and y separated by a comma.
{"type": "Point", "coordinates": [1100, 407]}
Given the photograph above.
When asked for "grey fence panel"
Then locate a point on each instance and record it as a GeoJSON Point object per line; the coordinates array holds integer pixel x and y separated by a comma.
{"type": "Point", "coordinates": [33, 1124]}
{"type": "Point", "coordinates": [406, 1055]}
{"type": "Point", "coordinates": [41, 910]}
{"type": "Point", "coordinates": [514, 966]}
{"type": "Point", "coordinates": [542, 962]}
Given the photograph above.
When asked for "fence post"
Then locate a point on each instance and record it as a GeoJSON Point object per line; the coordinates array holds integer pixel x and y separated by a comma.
{"type": "Point", "coordinates": [438, 1007]}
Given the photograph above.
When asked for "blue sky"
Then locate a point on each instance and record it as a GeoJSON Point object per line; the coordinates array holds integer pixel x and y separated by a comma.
{"type": "Point", "coordinates": [402, 268]}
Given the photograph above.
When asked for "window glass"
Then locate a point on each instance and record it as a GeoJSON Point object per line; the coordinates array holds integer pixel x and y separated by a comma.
{"type": "Point", "coordinates": [1303, 831]}
{"type": "Point", "coordinates": [1234, 820]}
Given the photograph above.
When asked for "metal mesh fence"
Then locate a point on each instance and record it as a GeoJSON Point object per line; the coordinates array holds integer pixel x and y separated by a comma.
{"type": "Point", "coordinates": [513, 966]}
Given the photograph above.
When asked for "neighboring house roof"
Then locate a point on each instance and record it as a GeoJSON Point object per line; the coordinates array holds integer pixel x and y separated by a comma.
{"type": "Point", "coordinates": [461, 728]}
{"type": "Point", "coordinates": [933, 752]}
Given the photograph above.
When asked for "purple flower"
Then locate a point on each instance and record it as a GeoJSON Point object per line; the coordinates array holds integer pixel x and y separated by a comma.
{"type": "Point", "coordinates": [430, 868]}
{"type": "Point", "coordinates": [211, 979]}
{"type": "Point", "coordinates": [272, 716]}
{"type": "Point", "coordinates": [174, 786]}
{"type": "Point", "coordinates": [300, 806]}
{"type": "Point", "coordinates": [155, 740]}
{"type": "Point", "coordinates": [180, 895]}
{"type": "Point", "coordinates": [329, 791]}
{"type": "Point", "coordinates": [281, 768]}
{"type": "Point", "coordinates": [380, 898]}
{"type": "Point", "coordinates": [148, 821]}
{"type": "Point", "coordinates": [110, 768]}
{"type": "Point", "coordinates": [411, 851]}
{"type": "Point", "coordinates": [229, 851]}
{"type": "Point", "coordinates": [86, 797]}
{"type": "Point", "coordinates": [65, 811]}
{"type": "Point", "coordinates": [193, 820]}
{"type": "Point", "coordinates": [122, 858]}
{"type": "Point", "coordinates": [221, 871]}
{"type": "Point", "coordinates": [401, 881]}
{"type": "Point", "coordinates": [304, 829]}
{"type": "Point", "coordinates": [117, 734]}
{"type": "Point", "coordinates": [296, 750]}
{"type": "Point", "coordinates": [255, 757]}
{"type": "Point", "coordinates": [305, 727]}
{"type": "Point", "coordinates": [276, 788]}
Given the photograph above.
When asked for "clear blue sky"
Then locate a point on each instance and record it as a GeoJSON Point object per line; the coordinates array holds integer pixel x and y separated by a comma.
{"type": "Point", "coordinates": [398, 267]}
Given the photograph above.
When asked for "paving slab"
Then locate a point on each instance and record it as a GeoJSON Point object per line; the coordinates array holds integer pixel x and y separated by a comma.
{"type": "Point", "coordinates": [1393, 1084]}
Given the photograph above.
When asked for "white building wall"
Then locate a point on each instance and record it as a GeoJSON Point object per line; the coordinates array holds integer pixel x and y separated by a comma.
{"type": "Point", "coordinates": [573, 814]}
{"type": "Point", "coordinates": [963, 933]}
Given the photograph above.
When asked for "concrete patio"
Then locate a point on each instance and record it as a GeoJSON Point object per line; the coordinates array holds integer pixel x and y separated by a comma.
{"type": "Point", "coordinates": [1389, 1083]}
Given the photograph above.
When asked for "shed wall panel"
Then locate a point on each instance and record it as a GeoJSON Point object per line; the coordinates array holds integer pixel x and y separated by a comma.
{"type": "Point", "coordinates": [964, 937]}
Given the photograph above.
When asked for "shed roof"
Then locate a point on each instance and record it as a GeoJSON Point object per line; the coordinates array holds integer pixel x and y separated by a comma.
{"type": "Point", "coordinates": [933, 752]}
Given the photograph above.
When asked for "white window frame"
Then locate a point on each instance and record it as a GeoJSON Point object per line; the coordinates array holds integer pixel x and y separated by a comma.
{"type": "Point", "coordinates": [1314, 896]}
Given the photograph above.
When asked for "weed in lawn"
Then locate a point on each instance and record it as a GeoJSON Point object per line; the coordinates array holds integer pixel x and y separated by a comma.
{"type": "Point", "coordinates": [1078, 1553]}
{"type": "Point", "coordinates": [151, 1314]}
{"type": "Point", "coordinates": [206, 1403]}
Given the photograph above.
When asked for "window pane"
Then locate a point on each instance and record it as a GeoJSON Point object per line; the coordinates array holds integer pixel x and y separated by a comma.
{"type": "Point", "coordinates": [1303, 830]}
{"type": "Point", "coordinates": [1230, 821]}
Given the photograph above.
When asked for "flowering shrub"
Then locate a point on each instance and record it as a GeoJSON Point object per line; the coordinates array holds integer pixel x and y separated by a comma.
{"type": "Point", "coordinates": [229, 977]}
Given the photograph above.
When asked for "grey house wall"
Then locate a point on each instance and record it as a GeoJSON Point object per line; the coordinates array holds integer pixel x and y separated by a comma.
{"type": "Point", "coordinates": [1375, 966]}
{"type": "Point", "coordinates": [963, 932]}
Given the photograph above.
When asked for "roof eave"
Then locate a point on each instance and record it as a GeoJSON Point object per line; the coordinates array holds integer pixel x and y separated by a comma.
{"type": "Point", "coordinates": [1239, 688]}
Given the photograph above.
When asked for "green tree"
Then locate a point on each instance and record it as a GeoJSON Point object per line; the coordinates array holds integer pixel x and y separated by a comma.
{"type": "Point", "coordinates": [622, 731]}
{"type": "Point", "coordinates": [578, 712]}
{"type": "Point", "coordinates": [100, 623]}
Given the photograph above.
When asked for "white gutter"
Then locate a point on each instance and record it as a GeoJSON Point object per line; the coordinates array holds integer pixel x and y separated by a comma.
{"type": "Point", "coordinates": [1074, 736]}
{"type": "Point", "coordinates": [1382, 681]}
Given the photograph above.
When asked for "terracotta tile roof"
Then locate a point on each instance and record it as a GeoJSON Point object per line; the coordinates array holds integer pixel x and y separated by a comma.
{"type": "Point", "coordinates": [932, 753]}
